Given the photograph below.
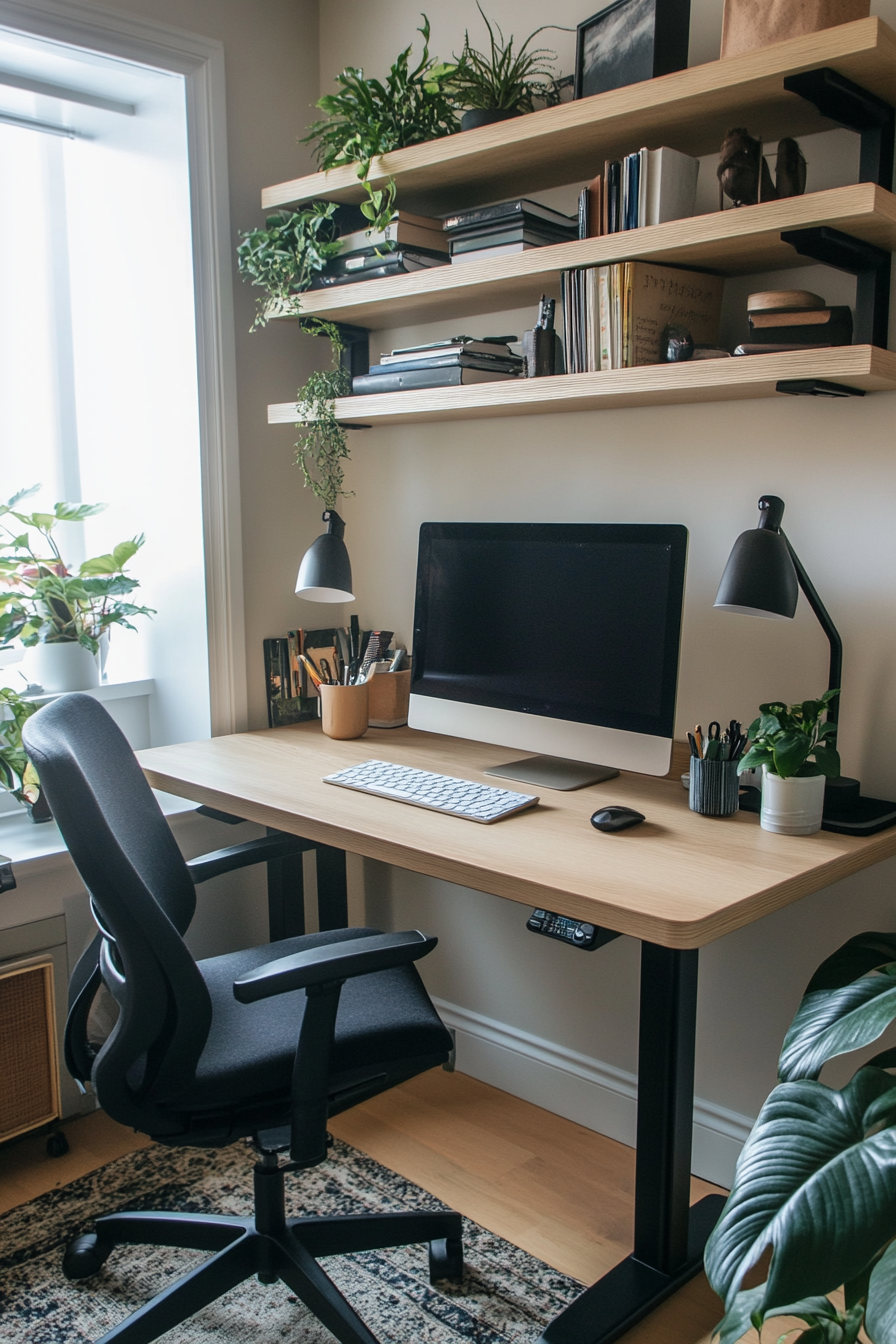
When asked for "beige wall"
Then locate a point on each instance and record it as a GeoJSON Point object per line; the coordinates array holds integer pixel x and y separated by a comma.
{"type": "Point", "coordinates": [704, 466]}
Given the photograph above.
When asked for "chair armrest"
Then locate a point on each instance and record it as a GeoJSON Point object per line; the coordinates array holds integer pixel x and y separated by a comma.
{"type": "Point", "coordinates": [335, 961]}
{"type": "Point", "coordinates": [241, 856]}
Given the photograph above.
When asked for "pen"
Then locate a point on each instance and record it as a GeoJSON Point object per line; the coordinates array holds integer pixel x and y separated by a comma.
{"type": "Point", "coordinates": [693, 741]}
{"type": "Point", "coordinates": [311, 670]}
{"type": "Point", "coordinates": [355, 645]}
{"type": "Point", "coordinates": [698, 734]}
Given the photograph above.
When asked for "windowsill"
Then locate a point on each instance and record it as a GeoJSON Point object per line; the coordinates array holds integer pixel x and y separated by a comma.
{"type": "Point", "coordinates": [108, 690]}
{"type": "Point", "coordinates": [37, 847]}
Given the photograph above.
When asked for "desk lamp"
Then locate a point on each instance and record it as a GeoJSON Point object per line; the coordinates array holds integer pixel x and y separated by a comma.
{"type": "Point", "coordinates": [325, 574]}
{"type": "Point", "coordinates": [763, 577]}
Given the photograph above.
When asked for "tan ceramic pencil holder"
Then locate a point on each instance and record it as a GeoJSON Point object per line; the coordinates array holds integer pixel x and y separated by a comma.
{"type": "Point", "coordinates": [389, 696]}
{"type": "Point", "coordinates": [343, 710]}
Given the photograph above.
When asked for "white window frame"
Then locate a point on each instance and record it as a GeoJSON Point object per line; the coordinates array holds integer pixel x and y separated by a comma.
{"type": "Point", "coordinates": [200, 61]}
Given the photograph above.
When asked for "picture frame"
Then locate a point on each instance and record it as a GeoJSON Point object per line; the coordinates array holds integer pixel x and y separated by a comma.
{"type": "Point", "coordinates": [629, 41]}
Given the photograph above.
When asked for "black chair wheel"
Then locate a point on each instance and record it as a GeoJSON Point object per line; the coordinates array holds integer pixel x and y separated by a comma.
{"type": "Point", "coordinates": [57, 1145]}
{"type": "Point", "coordinates": [84, 1256]}
{"type": "Point", "coordinates": [446, 1260]}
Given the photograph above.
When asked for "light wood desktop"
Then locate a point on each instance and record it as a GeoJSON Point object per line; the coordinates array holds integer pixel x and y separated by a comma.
{"type": "Point", "coordinates": [676, 882]}
{"type": "Point", "coordinates": [680, 880]}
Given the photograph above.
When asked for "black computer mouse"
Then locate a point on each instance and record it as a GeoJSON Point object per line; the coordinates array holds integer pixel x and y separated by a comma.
{"type": "Point", "coordinates": [616, 818]}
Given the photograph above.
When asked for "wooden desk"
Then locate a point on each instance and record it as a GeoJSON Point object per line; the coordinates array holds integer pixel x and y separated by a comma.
{"type": "Point", "coordinates": [677, 882]}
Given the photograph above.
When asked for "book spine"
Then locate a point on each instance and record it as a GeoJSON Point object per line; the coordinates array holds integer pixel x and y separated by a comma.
{"type": "Point", "coordinates": [603, 281]}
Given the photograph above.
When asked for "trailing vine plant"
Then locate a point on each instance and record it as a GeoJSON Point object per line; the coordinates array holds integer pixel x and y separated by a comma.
{"type": "Point", "coordinates": [285, 256]}
{"type": "Point", "coordinates": [322, 445]}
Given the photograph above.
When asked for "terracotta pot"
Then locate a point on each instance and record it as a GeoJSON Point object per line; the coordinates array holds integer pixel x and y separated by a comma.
{"type": "Point", "coordinates": [485, 116]}
{"type": "Point", "coordinates": [61, 667]}
{"type": "Point", "coordinates": [791, 806]}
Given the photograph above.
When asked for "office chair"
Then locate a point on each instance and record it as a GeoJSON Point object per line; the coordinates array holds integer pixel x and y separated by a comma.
{"type": "Point", "coordinates": [262, 1044]}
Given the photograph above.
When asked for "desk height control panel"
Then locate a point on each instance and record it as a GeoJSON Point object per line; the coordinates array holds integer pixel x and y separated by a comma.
{"type": "Point", "coordinates": [572, 931]}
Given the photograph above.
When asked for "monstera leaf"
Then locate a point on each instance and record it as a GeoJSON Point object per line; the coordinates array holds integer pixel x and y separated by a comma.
{"type": "Point", "coordinates": [817, 1186]}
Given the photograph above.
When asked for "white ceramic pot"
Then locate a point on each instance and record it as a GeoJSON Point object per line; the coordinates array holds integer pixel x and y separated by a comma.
{"type": "Point", "coordinates": [791, 806]}
{"type": "Point", "coordinates": [61, 667]}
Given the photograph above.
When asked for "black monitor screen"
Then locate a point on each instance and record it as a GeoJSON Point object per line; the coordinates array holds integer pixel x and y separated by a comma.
{"type": "Point", "coordinates": [575, 621]}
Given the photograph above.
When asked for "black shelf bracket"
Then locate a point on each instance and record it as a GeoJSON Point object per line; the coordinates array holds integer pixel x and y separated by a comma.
{"type": "Point", "coordinates": [841, 100]}
{"type": "Point", "coordinates": [816, 387]}
{"type": "Point", "coordinates": [869, 264]}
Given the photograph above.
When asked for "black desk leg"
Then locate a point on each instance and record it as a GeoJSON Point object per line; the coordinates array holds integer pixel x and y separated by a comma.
{"type": "Point", "coordinates": [669, 1237]}
{"type": "Point", "coordinates": [332, 892]}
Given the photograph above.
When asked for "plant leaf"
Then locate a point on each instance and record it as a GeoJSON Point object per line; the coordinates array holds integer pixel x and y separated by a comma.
{"type": "Point", "coordinates": [831, 1022]}
{"type": "Point", "coordinates": [880, 1311]}
{"type": "Point", "coordinates": [861, 954]}
{"type": "Point", "coordinates": [811, 1185]}
{"type": "Point", "coordinates": [791, 750]}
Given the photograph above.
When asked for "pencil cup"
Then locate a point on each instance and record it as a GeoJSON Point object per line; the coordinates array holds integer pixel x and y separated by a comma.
{"type": "Point", "coordinates": [714, 788]}
{"type": "Point", "coordinates": [343, 710]}
{"type": "Point", "coordinates": [390, 693]}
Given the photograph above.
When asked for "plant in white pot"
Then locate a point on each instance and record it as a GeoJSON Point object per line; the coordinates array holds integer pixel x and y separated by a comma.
{"type": "Point", "coordinates": [60, 616]}
{"type": "Point", "coordinates": [783, 739]}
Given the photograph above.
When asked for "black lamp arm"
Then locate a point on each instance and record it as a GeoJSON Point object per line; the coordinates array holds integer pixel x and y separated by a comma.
{"type": "Point", "coordinates": [835, 674]}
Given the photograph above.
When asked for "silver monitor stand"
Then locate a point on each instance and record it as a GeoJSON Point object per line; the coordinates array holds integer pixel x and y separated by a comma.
{"type": "Point", "coordinates": [553, 772]}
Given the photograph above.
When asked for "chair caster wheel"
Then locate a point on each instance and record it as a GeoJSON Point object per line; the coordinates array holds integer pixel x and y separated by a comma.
{"type": "Point", "coordinates": [57, 1145]}
{"type": "Point", "coordinates": [84, 1256]}
{"type": "Point", "coordinates": [446, 1260]}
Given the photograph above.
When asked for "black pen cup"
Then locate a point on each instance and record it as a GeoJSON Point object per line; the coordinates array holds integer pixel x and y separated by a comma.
{"type": "Point", "coordinates": [713, 789]}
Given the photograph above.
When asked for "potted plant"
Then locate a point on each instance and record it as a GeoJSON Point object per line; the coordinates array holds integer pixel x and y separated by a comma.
{"type": "Point", "coordinates": [501, 83]}
{"type": "Point", "coordinates": [816, 1180]}
{"type": "Point", "coordinates": [59, 616]}
{"type": "Point", "coordinates": [366, 118]}
{"type": "Point", "coordinates": [782, 741]}
{"type": "Point", "coordinates": [17, 775]}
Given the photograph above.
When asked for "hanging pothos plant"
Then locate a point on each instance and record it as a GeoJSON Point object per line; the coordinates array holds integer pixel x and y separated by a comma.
{"type": "Point", "coordinates": [285, 256]}
{"type": "Point", "coordinates": [322, 445]}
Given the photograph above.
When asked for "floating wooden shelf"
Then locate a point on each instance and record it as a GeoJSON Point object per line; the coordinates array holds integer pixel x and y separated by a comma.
{"type": "Point", "coordinates": [690, 110]}
{"type": "Point", "coordinates": [737, 242]}
{"type": "Point", "coordinates": [858, 366]}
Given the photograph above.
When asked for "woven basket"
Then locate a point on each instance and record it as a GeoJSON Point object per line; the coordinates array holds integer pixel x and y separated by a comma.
{"type": "Point", "coordinates": [749, 24]}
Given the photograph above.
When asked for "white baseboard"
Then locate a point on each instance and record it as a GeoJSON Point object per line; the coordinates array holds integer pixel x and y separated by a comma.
{"type": "Point", "coordinates": [583, 1089]}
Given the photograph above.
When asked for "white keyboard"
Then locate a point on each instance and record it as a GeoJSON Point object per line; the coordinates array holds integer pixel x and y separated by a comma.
{"type": "Point", "coordinates": [440, 793]}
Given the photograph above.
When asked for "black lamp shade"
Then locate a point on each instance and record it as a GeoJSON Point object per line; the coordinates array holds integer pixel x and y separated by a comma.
{"type": "Point", "coordinates": [325, 574]}
{"type": "Point", "coordinates": [759, 579]}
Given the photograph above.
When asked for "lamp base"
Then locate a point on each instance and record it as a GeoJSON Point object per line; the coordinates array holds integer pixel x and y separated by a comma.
{"type": "Point", "coordinates": [846, 811]}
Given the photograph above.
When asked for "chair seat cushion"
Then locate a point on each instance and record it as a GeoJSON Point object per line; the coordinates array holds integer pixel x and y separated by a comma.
{"type": "Point", "coordinates": [383, 1018]}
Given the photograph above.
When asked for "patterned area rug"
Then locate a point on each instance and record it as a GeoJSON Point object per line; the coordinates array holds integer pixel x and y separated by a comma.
{"type": "Point", "coordinates": [507, 1296]}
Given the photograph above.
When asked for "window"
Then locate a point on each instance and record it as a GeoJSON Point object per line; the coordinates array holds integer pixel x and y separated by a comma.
{"type": "Point", "coordinates": [99, 393]}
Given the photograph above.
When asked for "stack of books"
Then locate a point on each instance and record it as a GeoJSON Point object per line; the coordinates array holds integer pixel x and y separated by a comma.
{"type": "Point", "coordinates": [794, 320]}
{"type": "Point", "coordinates": [409, 243]}
{"type": "Point", "coordinates": [452, 363]}
{"type": "Point", "coordinates": [614, 316]}
{"type": "Point", "coordinates": [650, 186]}
{"type": "Point", "coordinates": [499, 230]}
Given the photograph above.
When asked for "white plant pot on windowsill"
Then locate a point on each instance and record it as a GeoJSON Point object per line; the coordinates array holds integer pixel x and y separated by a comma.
{"type": "Point", "coordinates": [61, 667]}
{"type": "Point", "coordinates": [791, 806]}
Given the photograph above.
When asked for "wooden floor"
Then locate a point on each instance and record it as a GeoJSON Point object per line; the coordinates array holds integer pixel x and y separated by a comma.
{"type": "Point", "coordinates": [556, 1189]}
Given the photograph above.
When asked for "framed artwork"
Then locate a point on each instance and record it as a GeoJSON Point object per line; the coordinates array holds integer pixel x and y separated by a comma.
{"type": "Point", "coordinates": [629, 41]}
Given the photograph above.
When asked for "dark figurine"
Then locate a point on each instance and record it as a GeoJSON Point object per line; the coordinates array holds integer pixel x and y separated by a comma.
{"type": "Point", "coordinates": [744, 176]}
{"type": "Point", "coordinates": [740, 166]}
{"type": "Point", "coordinates": [790, 169]}
{"type": "Point", "coordinates": [676, 345]}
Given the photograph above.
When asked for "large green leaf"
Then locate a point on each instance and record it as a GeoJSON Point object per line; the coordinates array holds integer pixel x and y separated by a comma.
{"type": "Point", "coordinates": [866, 952]}
{"type": "Point", "coordinates": [832, 1022]}
{"type": "Point", "coordinates": [880, 1312]}
{"type": "Point", "coordinates": [811, 1185]}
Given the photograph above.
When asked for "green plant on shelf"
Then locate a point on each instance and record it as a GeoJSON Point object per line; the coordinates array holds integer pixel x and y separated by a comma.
{"type": "Point", "coordinates": [783, 738]}
{"type": "Point", "coordinates": [322, 446]}
{"type": "Point", "coordinates": [17, 775]}
{"type": "Point", "coordinates": [501, 79]}
{"type": "Point", "coordinates": [366, 118]}
{"type": "Point", "coordinates": [41, 600]}
{"type": "Point", "coordinates": [285, 256]}
{"type": "Point", "coordinates": [816, 1180]}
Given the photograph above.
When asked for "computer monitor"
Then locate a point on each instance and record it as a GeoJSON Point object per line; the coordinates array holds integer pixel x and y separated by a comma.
{"type": "Point", "coordinates": [558, 638]}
